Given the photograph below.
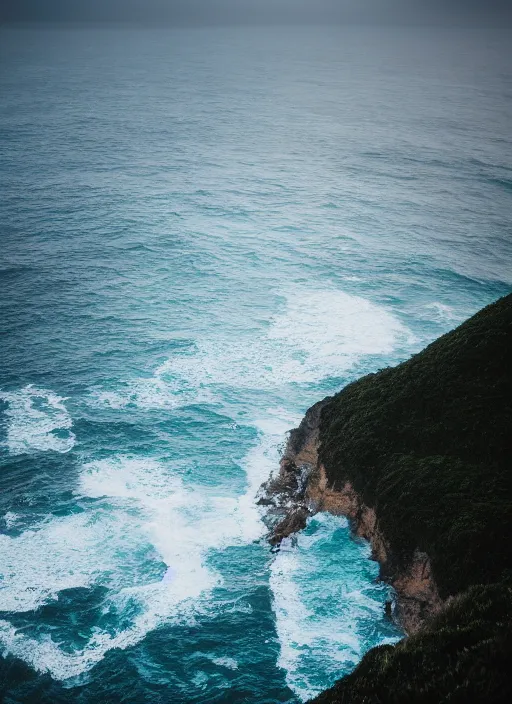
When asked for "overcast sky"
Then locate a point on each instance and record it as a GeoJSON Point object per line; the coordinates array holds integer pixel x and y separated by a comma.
{"type": "Point", "coordinates": [257, 11]}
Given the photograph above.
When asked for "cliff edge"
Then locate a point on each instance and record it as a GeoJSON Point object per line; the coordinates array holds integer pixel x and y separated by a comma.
{"type": "Point", "coordinates": [419, 458]}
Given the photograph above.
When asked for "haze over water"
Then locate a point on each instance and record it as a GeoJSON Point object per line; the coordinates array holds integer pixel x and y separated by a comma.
{"type": "Point", "coordinates": [205, 231]}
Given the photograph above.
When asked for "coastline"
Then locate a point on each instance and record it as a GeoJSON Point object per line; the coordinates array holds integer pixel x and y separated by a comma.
{"type": "Point", "coordinates": [417, 458]}
{"type": "Point", "coordinates": [301, 489]}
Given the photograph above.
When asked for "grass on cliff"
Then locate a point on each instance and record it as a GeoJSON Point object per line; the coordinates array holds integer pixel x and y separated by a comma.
{"type": "Point", "coordinates": [462, 656]}
{"type": "Point", "coordinates": [429, 445]}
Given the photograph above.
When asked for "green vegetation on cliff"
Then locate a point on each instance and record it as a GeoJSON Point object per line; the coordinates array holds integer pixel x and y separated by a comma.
{"type": "Point", "coordinates": [428, 444]}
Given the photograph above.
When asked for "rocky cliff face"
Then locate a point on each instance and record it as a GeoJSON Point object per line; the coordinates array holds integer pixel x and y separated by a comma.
{"type": "Point", "coordinates": [300, 489]}
{"type": "Point", "coordinates": [286, 494]}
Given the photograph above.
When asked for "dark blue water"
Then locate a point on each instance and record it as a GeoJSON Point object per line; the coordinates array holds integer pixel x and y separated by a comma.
{"type": "Point", "coordinates": [202, 233]}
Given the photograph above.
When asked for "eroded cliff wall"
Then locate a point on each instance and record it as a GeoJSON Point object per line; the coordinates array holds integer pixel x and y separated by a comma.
{"type": "Point", "coordinates": [301, 489]}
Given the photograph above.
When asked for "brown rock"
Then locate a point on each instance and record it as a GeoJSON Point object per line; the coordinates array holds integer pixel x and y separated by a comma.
{"type": "Point", "coordinates": [301, 489]}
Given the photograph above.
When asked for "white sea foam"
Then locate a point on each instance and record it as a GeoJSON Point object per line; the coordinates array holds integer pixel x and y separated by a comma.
{"type": "Point", "coordinates": [318, 617]}
{"type": "Point", "coordinates": [143, 507]}
{"type": "Point", "coordinates": [138, 506]}
{"type": "Point", "coordinates": [93, 547]}
{"type": "Point", "coordinates": [335, 329]}
{"type": "Point", "coordinates": [441, 313]}
{"type": "Point", "coordinates": [320, 333]}
{"type": "Point", "coordinates": [45, 655]}
{"type": "Point", "coordinates": [10, 519]}
{"type": "Point", "coordinates": [150, 394]}
{"type": "Point", "coordinates": [230, 663]}
{"type": "Point", "coordinates": [37, 420]}
{"type": "Point", "coordinates": [40, 563]}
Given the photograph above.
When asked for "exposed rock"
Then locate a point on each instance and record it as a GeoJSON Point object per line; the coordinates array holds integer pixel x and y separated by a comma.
{"type": "Point", "coordinates": [287, 494]}
{"type": "Point", "coordinates": [301, 489]}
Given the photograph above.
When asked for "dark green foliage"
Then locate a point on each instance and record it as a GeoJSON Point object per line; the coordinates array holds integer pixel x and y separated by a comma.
{"type": "Point", "coordinates": [462, 656]}
{"type": "Point", "coordinates": [429, 445]}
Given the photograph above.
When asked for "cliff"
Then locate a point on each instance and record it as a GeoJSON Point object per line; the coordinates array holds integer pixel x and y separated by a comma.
{"type": "Point", "coordinates": [419, 458]}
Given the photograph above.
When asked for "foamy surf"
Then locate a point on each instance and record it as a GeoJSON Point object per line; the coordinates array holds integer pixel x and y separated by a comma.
{"type": "Point", "coordinates": [335, 329]}
{"type": "Point", "coordinates": [155, 393]}
{"type": "Point", "coordinates": [142, 512]}
{"type": "Point", "coordinates": [142, 515]}
{"type": "Point", "coordinates": [158, 606]}
{"type": "Point", "coordinates": [329, 609]}
{"type": "Point", "coordinates": [36, 420]}
{"type": "Point", "coordinates": [145, 532]}
{"type": "Point", "coordinates": [318, 334]}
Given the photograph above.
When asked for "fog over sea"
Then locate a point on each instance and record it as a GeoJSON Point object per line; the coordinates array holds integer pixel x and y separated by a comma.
{"type": "Point", "coordinates": [203, 232]}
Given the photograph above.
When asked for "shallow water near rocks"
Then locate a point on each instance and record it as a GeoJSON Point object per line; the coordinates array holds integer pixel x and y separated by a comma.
{"type": "Point", "coordinates": [203, 233]}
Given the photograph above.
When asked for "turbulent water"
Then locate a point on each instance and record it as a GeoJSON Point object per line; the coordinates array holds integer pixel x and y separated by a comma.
{"type": "Point", "coordinates": [204, 232]}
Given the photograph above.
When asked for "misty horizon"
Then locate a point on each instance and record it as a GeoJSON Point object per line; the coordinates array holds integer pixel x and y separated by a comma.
{"type": "Point", "coordinates": [248, 12]}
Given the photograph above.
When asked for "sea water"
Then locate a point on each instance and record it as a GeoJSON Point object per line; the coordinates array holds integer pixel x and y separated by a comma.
{"type": "Point", "coordinates": [203, 232]}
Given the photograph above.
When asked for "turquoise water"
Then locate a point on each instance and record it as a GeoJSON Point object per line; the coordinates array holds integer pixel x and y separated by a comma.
{"type": "Point", "coordinates": [204, 232]}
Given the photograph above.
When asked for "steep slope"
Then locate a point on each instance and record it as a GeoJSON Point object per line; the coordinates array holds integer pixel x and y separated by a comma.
{"type": "Point", "coordinates": [428, 445]}
{"type": "Point", "coordinates": [419, 457]}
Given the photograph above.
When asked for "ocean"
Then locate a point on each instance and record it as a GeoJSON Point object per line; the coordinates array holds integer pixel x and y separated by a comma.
{"type": "Point", "coordinates": [203, 232]}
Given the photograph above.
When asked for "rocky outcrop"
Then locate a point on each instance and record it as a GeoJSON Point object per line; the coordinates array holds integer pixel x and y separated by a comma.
{"type": "Point", "coordinates": [300, 489]}
{"type": "Point", "coordinates": [287, 494]}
